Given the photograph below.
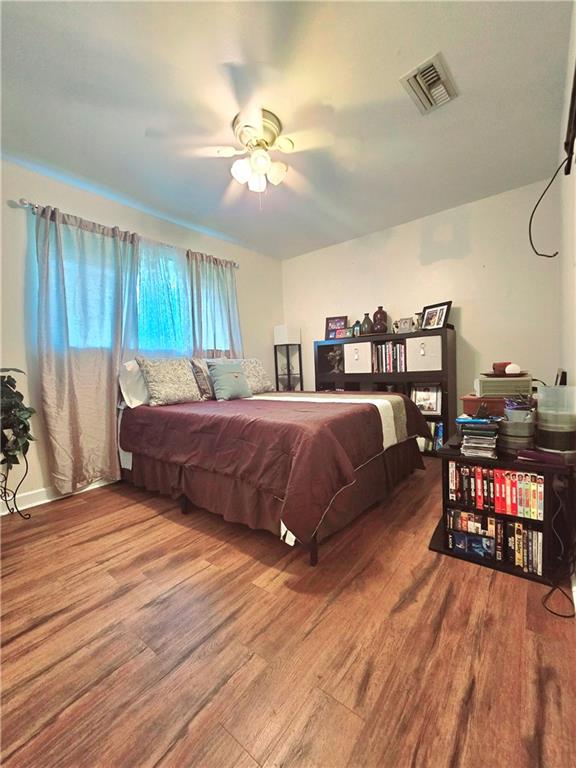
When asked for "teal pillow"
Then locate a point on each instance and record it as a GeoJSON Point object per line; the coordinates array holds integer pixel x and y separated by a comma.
{"type": "Point", "coordinates": [228, 380]}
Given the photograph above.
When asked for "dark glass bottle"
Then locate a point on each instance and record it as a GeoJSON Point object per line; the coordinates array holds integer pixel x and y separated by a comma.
{"type": "Point", "coordinates": [367, 325]}
{"type": "Point", "coordinates": [380, 321]}
{"type": "Point", "coordinates": [357, 328]}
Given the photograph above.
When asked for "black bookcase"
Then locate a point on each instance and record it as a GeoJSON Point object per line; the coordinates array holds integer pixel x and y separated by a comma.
{"type": "Point", "coordinates": [555, 526]}
{"type": "Point", "coordinates": [333, 376]}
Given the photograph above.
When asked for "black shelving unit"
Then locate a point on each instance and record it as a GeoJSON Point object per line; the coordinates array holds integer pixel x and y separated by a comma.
{"type": "Point", "coordinates": [288, 367]}
{"type": "Point", "coordinates": [443, 374]}
{"type": "Point", "coordinates": [559, 490]}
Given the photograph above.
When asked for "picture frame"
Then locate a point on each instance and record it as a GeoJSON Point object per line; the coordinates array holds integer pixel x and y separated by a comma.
{"type": "Point", "coordinates": [342, 333]}
{"type": "Point", "coordinates": [435, 315]}
{"type": "Point", "coordinates": [405, 325]}
{"type": "Point", "coordinates": [337, 323]}
{"type": "Point", "coordinates": [428, 398]}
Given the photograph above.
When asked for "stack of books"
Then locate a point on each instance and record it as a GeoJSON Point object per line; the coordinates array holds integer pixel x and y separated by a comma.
{"type": "Point", "coordinates": [479, 437]}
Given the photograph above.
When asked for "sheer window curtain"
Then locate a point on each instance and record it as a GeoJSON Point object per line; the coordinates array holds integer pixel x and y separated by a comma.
{"type": "Point", "coordinates": [87, 290]}
{"type": "Point", "coordinates": [105, 295]}
{"type": "Point", "coordinates": [215, 318]}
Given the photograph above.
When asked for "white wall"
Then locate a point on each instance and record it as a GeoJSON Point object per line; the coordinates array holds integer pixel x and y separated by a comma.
{"type": "Point", "coordinates": [505, 299]}
{"type": "Point", "coordinates": [258, 280]}
{"type": "Point", "coordinates": [568, 242]}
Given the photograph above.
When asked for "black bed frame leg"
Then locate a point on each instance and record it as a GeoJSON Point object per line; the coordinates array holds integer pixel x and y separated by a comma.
{"type": "Point", "coordinates": [314, 551]}
{"type": "Point", "coordinates": [183, 504]}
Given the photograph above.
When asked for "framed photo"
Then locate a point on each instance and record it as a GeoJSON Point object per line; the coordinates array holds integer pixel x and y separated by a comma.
{"type": "Point", "coordinates": [405, 325]}
{"type": "Point", "coordinates": [435, 315]}
{"type": "Point", "coordinates": [428, 398]}
{"type": "Point", "coordinates": [335, 324]}
{"type": "Point", "coordinates": [342, 333]}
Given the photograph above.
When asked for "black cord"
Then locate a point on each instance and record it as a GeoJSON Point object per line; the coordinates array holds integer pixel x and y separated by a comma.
{"type": "Point", "coordinates": [544, 255]}
{"type": "Point", "coordinates": [568, 597]}
{"type": "Point", "coordinates": [566, 562]}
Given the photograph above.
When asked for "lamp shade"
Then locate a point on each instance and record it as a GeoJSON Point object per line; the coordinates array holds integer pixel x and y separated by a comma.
{"type": "Point", "coordinates": [241, 170]}
{"type": "Point", "coordinates": [277, 173]}
{"type": "Point", "coordinates": [257, 183]}
{"type": "Point", "coordinates": [260, 161]}
{"type": "Point", "coordinates": [286, 334]}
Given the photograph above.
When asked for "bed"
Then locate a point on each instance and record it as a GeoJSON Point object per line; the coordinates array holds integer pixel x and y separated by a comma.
{"type": "Point", "coordinates": [301, 465]}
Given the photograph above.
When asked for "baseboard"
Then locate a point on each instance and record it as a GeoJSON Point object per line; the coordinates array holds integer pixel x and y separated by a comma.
{"type": "Point", "coordinates": [42, 495]}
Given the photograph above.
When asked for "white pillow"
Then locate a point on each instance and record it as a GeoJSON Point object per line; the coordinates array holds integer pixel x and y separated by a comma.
{"type": "Point", "coordinates": [132, 385]}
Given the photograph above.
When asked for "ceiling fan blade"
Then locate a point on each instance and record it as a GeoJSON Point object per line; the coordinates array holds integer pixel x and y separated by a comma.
{"type": "Point", "coordinates": [232, 194]}
{"type": "Point", "coordinates": [306, 141]}
{"type": "Point", "coordinates": [297, 182]}
{"type": "Point", "coordinates": [212, 152]}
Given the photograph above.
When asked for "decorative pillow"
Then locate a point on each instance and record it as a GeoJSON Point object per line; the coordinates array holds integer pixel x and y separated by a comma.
{"type": "Point", "coordinates": [169, 380]}
{"type": "Point", "coordinates": [228, 380]}
{"type": "Point", "coordinates": [132, 385]}
{"type": "Point", "coordinates": [258, 379]}
{"type": "Point", "coordinates": [202, 376]}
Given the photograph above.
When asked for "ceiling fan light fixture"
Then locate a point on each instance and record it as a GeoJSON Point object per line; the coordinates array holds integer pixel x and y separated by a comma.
{"type": "Point", "coordinates": [284, 144]}
{"type": "Point", "coordinates": [260, 161]}
{"type": "Point", "coordinates": [257, 182]}
{"type": "Point", "coordinates": [277, 173]}
{"type": "Point", "coordinates": [241, 170]}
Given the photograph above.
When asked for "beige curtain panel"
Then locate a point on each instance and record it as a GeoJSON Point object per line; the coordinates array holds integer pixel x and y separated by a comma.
{"type": "Point", "coordinates": [105, 295]}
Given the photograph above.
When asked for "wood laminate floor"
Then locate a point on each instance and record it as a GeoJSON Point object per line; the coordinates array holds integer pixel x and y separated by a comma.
{"type": "Point", "coordinates": [136, 636]}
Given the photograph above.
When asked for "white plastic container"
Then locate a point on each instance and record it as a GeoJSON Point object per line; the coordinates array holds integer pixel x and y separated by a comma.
{"type": "Point", "coordinates": [556, 418]}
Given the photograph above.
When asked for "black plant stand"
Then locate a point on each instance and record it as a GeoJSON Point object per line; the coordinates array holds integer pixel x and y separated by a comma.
{"type": "Point", "coordinates": [288, 365]}
{"type": "Point", "coordinates": [8, 496]}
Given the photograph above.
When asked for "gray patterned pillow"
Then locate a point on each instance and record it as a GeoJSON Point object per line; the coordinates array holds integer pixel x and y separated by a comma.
{"type": "Point", "coordinates": [202, 376]}
{"type": "Point", "coordinates": [169, 380]}
{"type": "Point", "coordinates": [257, 378]}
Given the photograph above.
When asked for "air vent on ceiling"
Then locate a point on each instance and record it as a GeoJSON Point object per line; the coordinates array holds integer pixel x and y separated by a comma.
{"type": "Point", "coordinates": [429, 85]}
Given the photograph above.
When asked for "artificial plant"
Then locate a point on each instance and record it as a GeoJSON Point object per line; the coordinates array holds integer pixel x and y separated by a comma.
{"type": "Point", "coordinates": [15, 416]}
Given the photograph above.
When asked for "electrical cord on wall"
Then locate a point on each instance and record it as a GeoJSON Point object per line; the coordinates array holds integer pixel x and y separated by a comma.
{"type": "Point", "coordinates": [537, 252]}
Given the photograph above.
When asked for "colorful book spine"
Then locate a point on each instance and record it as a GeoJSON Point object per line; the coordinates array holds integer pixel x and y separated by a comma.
{"type": "Point", "coordinates": [479, 488]}
{"type": "Point", "coordinates": [510, 542]}
{"type": "Point", "coordinates": [452, 480]}
{"type": "Point", "coordinates": [534, 497]}
{"type": "Point", "coordinates": [518, 545]}
{"type": "Point", "coordinates": [540, 548]}
{"type": "Point", "coordinates": [513, 493]}
{"type": "Point", "coordinates": [499, 540]}
{"type": "Point", "coordinates": [497, 490]}
{"type": "Point", "coordinates": [540, 502]}
{"type": "Point", "coordinates": [507, 493]}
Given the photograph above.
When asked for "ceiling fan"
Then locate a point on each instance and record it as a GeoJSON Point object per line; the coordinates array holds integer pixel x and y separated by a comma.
{"type": "Point", "coordinates": [259, 134]}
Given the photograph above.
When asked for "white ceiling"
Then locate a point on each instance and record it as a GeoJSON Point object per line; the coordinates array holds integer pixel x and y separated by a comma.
{"type": "Point", "coordinates": [118, 94]}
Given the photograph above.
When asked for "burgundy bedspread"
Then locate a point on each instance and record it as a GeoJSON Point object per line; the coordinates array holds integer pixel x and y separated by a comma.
{"type": "Point", "coordinates": [301, 452]}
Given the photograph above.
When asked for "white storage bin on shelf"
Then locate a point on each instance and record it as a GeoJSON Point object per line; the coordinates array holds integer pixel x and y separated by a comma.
{"type": "Point", "coordinates": [358, 357]}
{"type": "Point", "coordinates": [424, 353]}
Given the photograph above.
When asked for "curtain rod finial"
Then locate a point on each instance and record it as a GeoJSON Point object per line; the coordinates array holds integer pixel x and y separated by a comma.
{"type": "Point", "coordinates": [23, 202]}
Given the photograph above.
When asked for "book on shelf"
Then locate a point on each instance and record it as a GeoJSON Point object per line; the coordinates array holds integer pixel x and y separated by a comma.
{"type": "Point", "coordinates": [389, 357]}
{"type": "Point", "coordinates": [437, 432]}
{"type": "Point", "coordinates": [504, 491]}
{"type": "Point", "coordinates": [488, 538]}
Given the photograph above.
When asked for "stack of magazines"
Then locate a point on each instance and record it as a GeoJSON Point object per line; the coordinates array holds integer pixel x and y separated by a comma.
{"type": "Point", "coordinates": [479, 437]}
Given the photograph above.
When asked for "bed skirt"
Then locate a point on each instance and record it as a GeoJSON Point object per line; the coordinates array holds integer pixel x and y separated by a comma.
{"type": "Point", "coordinates": [239, 502]}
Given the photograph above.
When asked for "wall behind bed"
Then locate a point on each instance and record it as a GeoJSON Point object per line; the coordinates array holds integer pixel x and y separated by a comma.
{"type": "Point", "coordinates": [258, 280]}
{"type": "Point", "coordinates": [505, 299]}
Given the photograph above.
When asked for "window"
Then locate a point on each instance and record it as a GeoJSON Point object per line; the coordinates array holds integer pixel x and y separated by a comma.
{"type": "Point", "coordinates": [163, 301]}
